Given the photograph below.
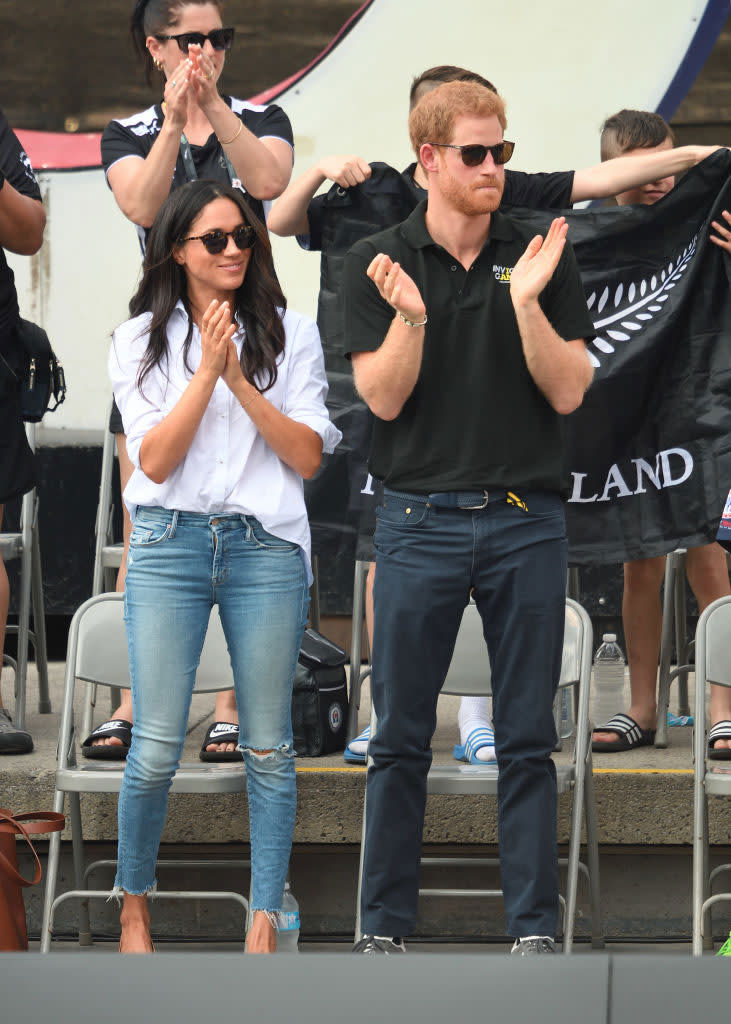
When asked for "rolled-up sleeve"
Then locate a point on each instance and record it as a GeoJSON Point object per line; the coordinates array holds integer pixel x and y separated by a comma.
{"type": "Point", "coordinates": [307, 384]}
{"type": "Point", "coordinates": [140, 410]}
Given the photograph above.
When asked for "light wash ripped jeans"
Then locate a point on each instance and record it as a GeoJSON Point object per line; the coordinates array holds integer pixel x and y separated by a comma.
{"type": "Point", "coordinates": [181, 564]}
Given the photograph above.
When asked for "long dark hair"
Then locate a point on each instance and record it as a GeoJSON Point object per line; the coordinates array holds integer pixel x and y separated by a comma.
{"type": "Point", "coordinates": [260, 304]}
{"type": "Point", "coordinates": [152, 17]}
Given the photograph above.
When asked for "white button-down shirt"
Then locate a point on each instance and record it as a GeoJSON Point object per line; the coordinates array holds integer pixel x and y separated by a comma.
{"type": "Point", "coordinates": [229, 466]}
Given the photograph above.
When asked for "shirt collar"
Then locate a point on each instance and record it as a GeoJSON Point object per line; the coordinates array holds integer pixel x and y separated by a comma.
{"type": "Point", "coordinates": [417, 234]}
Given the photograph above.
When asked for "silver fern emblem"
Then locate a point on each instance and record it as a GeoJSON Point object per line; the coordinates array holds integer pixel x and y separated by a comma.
{"type": "Point", "coordinates": [633, 308]}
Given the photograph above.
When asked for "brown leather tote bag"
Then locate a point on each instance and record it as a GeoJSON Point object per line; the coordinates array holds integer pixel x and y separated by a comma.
{"type": "Point", "coordinates": [13, 929]}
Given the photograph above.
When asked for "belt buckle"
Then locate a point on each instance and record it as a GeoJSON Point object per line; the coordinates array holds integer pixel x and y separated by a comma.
{"type": "Point", "coordinates": [476, 508]}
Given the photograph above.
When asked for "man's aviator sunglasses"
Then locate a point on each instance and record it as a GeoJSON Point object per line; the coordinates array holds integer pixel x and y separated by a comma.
{"type": "Point", "coordinates": [220, 39]}
{"type": "Point", "coordinates": [473, 155]}
{"type": "Point", "coordinates": [215, 241]}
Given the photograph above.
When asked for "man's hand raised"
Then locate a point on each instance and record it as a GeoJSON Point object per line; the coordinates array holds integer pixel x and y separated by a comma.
{"type": "Point", "coordinates": [396, 287]}
{"type": "Point", "coordinates": [345, 171]}
{"type": "Point", "coordinates": [535, 267]}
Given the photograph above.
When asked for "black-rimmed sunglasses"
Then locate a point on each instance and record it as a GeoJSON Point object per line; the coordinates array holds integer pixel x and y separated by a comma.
{"type": "Point", "coordinates": [473, 155]}
{"type": "Point", "coordinates": [219, 38]}
{"type": "Point", "coordinates": [216, 241]}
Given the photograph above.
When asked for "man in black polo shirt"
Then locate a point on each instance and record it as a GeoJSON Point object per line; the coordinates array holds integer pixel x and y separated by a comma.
{"type": "Point", "coordinates": [466, 341]}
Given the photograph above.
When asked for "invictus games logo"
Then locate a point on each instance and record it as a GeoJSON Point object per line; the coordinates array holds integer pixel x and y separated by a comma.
{"type": "Point", "coordinates": [335, 717]}
{"type": "Point", "coordinates": [502, 274]}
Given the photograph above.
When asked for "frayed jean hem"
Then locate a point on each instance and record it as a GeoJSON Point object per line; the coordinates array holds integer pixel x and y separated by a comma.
{"type": "Point", "coordinates": [120, 891]}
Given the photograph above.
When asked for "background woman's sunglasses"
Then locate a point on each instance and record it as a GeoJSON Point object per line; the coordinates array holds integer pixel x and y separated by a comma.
{"type": "Point", "coordinates": [220, 39]}
{"type": "Point", "coordinates": [215, 241]}
{"type": "Point", "coordinates": [473, 156]}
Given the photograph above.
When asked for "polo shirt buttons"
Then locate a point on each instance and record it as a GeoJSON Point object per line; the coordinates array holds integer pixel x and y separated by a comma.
{"type": "Point", "coordinates": [453, 267]}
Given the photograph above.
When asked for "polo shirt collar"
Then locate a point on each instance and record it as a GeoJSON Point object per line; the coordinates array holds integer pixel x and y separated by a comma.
{"type": "Point", "coordinates": [417, 234]}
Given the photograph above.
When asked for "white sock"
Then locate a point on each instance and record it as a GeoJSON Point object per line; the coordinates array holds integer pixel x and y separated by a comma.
{"type": "Point", "coordinates": [474, 713]}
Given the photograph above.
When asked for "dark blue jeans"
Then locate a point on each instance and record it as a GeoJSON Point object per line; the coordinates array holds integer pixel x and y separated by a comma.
{"type": "Point", "coordinates": [427, 561]}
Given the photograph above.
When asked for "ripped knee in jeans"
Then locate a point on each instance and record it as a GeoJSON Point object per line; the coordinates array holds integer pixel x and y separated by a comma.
{"type": "Point", "coordinates": [267, 758]}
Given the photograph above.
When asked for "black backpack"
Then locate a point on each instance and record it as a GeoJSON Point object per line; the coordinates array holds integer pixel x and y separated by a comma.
{"type": "Point", "coordinates": [319, 697]}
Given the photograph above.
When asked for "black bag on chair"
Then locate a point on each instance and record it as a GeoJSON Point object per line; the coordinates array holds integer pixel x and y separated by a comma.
{"type": "Point", "coordinates": [42, 377]}
{"type": "Point", "coordinates": [319, 697]}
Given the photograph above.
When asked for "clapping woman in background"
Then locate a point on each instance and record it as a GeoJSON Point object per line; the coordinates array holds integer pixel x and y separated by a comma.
{"type": "Point", "coordinates": [194, 132]}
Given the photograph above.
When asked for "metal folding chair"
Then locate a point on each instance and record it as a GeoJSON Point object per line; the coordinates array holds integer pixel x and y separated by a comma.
{"type": "Point", "coordinates": [107, 553]}
{"type": "Point", "coordinates": [469, 674]}
{"type": "Point", "coordinates": [674, 625]}
{"type": "Point", "coordinates": [97, 653]}
{"type": "Point", "coordinates": [711, 778]}
{"type": "Point", "coordinates": [358, 675]}
{"type": "Point", "coordinates": [24, 545]}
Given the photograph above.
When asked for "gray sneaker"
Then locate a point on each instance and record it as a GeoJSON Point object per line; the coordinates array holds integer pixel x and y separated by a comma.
{"type": "Point", "coordinates": [532, 945]}
{"type": "Point", "coordinates": [376, 945]}
{"type": "Point", "coordinates": [12, 740]}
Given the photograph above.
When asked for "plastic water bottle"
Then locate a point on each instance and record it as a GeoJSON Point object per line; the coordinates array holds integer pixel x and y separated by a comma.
{"type": "Point", "coordinates": [608, 680]}
{"type": "Point", "coordinates": [289, 923]}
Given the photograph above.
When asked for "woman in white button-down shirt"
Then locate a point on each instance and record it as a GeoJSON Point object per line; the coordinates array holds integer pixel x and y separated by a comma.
{"type": "Point", "coordinates": [222, 395]}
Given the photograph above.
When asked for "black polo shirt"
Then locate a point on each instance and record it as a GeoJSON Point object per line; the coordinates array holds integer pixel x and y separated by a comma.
{"type": "Point", "coordinates": [476, 418]}
{"type": "Point", "coordinates": [16, 167]}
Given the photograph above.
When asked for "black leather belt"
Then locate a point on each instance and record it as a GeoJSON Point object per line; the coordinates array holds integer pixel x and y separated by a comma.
{"type": "Point", "coordinates": [466, 500]}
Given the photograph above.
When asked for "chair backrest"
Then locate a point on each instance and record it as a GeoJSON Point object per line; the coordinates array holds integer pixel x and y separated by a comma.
{"type": "Point", "coordinates": [101, 647]}
{"type": "Point", "coordinates": [469, 671]}
{"type": "Point", "coordinates": [717, 646]}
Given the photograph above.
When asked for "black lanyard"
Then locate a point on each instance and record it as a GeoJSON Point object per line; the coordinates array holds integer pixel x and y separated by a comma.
{"type": "Point", "coordinates": [192, 175]}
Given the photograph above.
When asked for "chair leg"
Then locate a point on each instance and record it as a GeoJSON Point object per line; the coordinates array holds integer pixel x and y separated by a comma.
{"type": "Point", "coordinates": [356, 647]}
{"type": "Point", "coordinates": [681, 636]}
{"type": "Point", "coordinates": [700, 875]}
{"type": "Point", "coordinates": [315, 594]}
{"type": "Point", "coordinates": [666, 646]}
{"type": "Point", "coordinates": [572, 874]}
{"type": "Point", "coordinates": [54, 852]}
{"type": "Point", "coordinates": [708, 916]}
{"type": "Point", "coordinates": [358, 933]}
{"type": "Point", "coordinates": [77, 842]}
{"type": "Point", "coordinates": [21, 678]}
{"type": "Point", "coordinates": [592, 856]}
{"type": "Point", "coordinates": [39, 626]}
{"type": "Point", "coordinates": [361, 856]}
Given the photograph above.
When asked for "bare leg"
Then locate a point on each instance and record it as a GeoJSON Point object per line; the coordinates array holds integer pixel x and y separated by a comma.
{"type": "Point", "coordinates": [707, 570]}
{"type": "Point", "coordinates": [262, 937]}
{"type": "Point", "coordinates": [642, 617]}
{"type": "Point", "coordinates": [135, 921]}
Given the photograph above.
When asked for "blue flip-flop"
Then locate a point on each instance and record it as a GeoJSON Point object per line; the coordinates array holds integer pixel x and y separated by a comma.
{"type": "Point", "coordinates": [350, 755]}
{"type": "Point", "coordinates": [480, 737]}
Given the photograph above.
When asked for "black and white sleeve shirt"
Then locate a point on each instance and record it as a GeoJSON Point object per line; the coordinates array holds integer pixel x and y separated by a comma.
{"type": "Point", "coordinates": [134, 137]}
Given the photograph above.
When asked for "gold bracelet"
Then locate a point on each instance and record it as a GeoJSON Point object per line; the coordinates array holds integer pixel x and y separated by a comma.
{"type": "Point", "coordinates": [245, 405]}
{"type": "Point", "coordinates": [412, 323]}
{"type": "Point", "coordinates": [233, 138]}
